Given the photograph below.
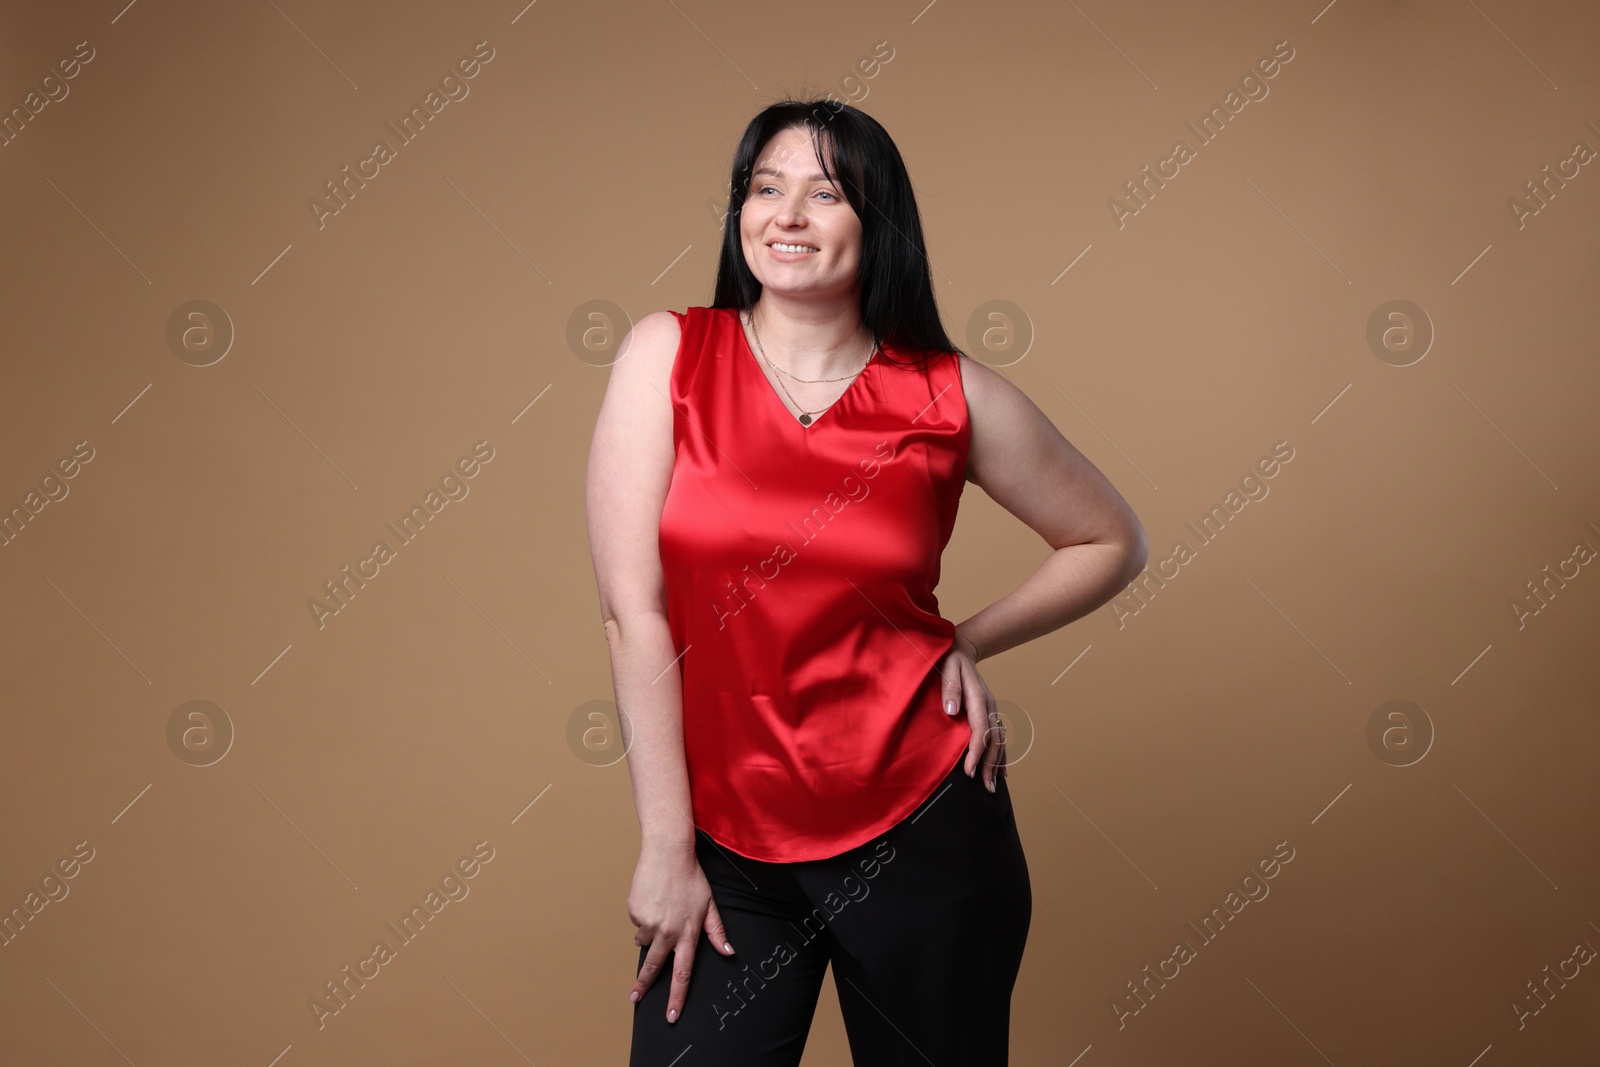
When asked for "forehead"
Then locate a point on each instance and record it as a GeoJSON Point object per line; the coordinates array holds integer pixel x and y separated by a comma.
{"type": "Point", "coordinates": [791, 153]}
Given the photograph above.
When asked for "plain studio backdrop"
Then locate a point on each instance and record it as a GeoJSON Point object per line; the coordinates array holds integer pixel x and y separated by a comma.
{"type": "Point", "coordinates": [287, 281]}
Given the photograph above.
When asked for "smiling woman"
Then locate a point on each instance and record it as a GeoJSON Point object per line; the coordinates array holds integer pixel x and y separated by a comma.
{"type": "Point", "coordinates": [773, 734]}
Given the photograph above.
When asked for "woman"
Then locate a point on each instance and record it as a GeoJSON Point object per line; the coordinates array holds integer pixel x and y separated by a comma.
{"type": "Point", "coordinates": [771, 483]}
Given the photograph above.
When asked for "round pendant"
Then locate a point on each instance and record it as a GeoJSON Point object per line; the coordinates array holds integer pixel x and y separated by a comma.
{"type": "Point", "coordinates": [805, 420]}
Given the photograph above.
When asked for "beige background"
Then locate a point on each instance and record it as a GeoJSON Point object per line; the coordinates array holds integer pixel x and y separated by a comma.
{"type": "Point", "coordinates": [241, 858]}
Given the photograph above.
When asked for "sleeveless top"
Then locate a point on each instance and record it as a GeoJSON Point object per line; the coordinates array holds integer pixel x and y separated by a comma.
{"type": "Point", "coordinates": [800, 564]}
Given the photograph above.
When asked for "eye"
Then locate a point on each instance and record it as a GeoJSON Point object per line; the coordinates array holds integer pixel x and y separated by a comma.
{"type": "Point", "coordinates": [825, 192]}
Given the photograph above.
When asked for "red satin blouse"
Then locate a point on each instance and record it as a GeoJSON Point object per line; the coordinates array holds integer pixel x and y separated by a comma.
{"type": "Point", "coordinates": [800, 564]}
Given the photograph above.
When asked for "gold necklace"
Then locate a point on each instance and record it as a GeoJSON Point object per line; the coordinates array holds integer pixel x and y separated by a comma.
{"type": "Point", "coordinates": [806, 417]}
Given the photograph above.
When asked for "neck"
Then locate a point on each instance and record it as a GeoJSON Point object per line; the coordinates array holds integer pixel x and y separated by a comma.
{"type": "Point", "coordinates": [812, 340]}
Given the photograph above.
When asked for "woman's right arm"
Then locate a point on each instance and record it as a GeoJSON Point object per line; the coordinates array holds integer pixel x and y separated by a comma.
{"type": "Point", "coordinates": [630, 468]}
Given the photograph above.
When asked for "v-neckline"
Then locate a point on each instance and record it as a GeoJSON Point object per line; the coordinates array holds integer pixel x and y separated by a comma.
{"type": "Point", "coordinates": [771, 390]}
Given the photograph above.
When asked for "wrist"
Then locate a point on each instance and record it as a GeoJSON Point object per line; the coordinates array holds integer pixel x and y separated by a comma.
{"type": "Point", "coordinates": [666, 844]}
{"type": "Point", "coordinates": [967, 645]}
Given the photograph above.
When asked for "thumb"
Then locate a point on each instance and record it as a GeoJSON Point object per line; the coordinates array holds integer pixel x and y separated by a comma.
{"type": "Point", "coordinates": [715, 930]}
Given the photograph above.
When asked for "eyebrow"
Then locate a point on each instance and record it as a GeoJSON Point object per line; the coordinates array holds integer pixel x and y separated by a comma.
{"type": "Point", "coordinates": [779, 174]}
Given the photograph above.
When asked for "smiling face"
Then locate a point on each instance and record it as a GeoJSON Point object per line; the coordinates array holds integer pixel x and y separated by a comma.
{"type": "Point", "coordinates": [791, 204]}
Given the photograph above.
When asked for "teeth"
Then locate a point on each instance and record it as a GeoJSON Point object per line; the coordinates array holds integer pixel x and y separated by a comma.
{"type": "Point", "coordinates": [792, 248]}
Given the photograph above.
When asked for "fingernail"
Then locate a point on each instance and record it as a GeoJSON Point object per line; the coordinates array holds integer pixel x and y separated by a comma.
{"type": "Point", "coordinates": [949, 707]}
{"type": "Point", "coordinates": [990, 784]}
{"type": "Point", "coordinates": [728, 947]}
{"type": "Point", "coordinates": [672, 1015]}
{"type": "Point", "coordinates": [633, 997]}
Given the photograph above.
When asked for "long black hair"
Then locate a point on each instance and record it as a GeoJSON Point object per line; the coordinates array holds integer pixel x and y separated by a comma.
{"type": "Point", "coordinates": [858, 156]}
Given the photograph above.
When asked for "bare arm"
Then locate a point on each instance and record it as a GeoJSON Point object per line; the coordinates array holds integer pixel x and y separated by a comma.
{"type": "Point", "coordinates": [1022, 461]}
{"type": "Point", "coordinates": [630, 468]}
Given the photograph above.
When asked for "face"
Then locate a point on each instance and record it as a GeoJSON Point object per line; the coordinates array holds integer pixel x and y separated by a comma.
{"type": "Point", "coordinates": [790, 202]}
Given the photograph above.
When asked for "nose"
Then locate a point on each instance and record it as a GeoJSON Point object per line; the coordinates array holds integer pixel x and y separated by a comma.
{"type": "Point", "coordinates": [791, 212]}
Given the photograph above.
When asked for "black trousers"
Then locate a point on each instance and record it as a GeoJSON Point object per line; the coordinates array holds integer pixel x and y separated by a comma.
{"type": "Point", "coordinates": [924, 927]}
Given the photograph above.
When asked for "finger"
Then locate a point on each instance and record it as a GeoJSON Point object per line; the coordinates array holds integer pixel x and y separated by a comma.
{"type": "Point", "coordinates": [986, 765]}
{"type": "Point", "coordinates": [950, 695]}
{"type": "Point", "coordinates": [682, 967]}
{"type": "Point", "coordinates": [992, 739]}
{"type": "Point", "coordinates": [716, 931]}
{"type": "Point", "coordinates": [974, 757]}
{"type": "Point", "coordinates": [650, 969]}
{"type": "Point", "coordinates": [977, 705]}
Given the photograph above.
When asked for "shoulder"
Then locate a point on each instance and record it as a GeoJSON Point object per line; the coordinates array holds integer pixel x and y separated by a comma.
{"type": "Point", "coordinates": [660, 327]}
{"type": "Point", "coordinates": [990, 395]}
{"type": "Point", "coordinates": [652, 345]}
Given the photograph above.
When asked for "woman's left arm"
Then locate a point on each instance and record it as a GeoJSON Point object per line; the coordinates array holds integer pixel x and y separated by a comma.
{"type": "Point", "coordinates": [1019, 458]}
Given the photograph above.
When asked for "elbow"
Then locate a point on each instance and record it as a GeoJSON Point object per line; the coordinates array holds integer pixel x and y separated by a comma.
{"type": "Point", "coordinates": [626, 623]}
